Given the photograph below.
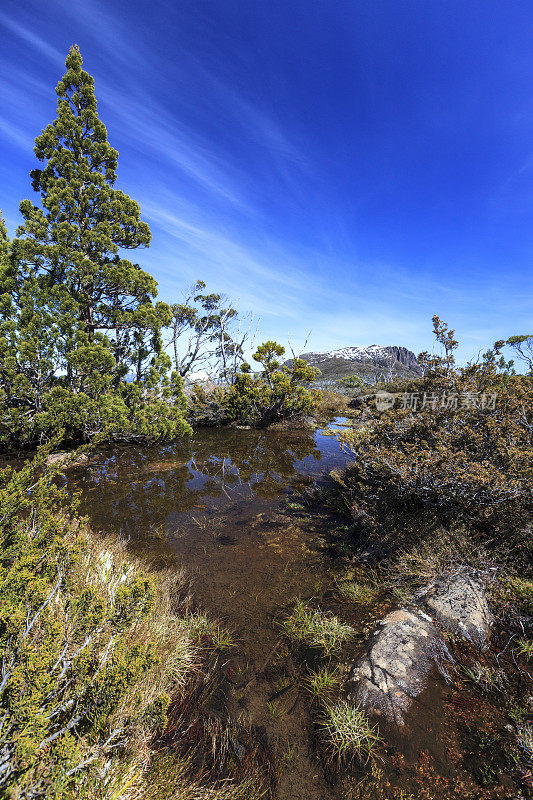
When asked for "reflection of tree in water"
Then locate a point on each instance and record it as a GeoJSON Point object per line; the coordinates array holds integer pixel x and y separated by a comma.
{"type": "Point", "coordinates": [135, 490]}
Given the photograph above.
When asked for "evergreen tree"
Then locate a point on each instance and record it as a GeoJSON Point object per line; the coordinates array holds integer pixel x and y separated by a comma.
{"type": "Point", "coordinates": [28, 352]}
{"type": "Point", "coordinates": [68, 287]}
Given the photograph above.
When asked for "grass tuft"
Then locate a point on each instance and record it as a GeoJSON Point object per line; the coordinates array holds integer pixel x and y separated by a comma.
{"type": "Point", "coordinates": [525, 649]}
{"type": "Point", "coordinates": [323, 681]}
{"type": "Point", "coordinates": [314, 628]}
{"type": "Point", "coordinates": [487, 678]}
{"type": "Point", "coordinates": [348, 733]}
{"type": "Point", "coordinates": [356, 592]}
{"type": "Point", "coordinates": [203, 629]}
{"type": "Point", "coordinates": [523, 594]}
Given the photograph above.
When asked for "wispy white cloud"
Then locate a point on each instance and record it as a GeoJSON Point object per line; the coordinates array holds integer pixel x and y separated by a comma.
{"type": "Point", "coordinates": [220, 172]}
{"type": "Point", "coordinates": [264, 281]}
{"type": "Point", "coordinates": [151, 129]}
{"type": "Point", "coordinates": [15, 135]}
{"type": "Point", "coordinates": [30, 37]}
{"type": "Point", "coordinates": [201, 91]}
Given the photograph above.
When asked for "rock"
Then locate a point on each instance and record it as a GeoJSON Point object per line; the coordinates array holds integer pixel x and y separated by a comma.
{"type": "Point", "coordinates": [394, 670]}
{"type": "Point", "coordinates": [458, 603]}
{"type": "Point", "coordinates": [66, 460]}
{"type": "Point", "coordinates": [410, 643]}
{"type": "Point", "coordinates": [201, 379]}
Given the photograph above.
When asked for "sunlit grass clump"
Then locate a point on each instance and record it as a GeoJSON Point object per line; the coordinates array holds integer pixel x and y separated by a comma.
{"type": "Point", "coordinates": [323, 681]}
{"type": "Point", "coordinates": [203, 629]}
{"type": "Point", "coordinates": [356, 592]}
{"type": "Point", "coordinates": [347, 732]}
{"type": "Point", "coordinates": [522, 590]}
{"type": "Point", "coordinates": [525, 649]}
{"type": "Point", "coordinates": [316, 629]}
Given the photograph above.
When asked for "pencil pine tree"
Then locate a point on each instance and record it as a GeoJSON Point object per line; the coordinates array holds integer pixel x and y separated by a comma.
{"type": "Point", "coordinates": [74, 289]}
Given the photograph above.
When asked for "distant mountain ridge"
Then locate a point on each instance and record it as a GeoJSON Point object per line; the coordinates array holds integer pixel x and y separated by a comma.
{"type": "Point", "coordinates": [372, 363]}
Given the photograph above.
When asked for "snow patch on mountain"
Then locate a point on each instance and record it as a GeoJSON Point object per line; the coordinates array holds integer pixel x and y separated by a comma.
{"type": "Point", "coordinates": [373, 354]}
{"type": "Point", "coordinates": [373, 351]}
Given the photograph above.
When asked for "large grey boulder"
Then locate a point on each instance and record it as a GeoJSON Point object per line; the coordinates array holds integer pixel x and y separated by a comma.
{"type": "Point", "coordinates": [395, 667]}
{"type": "Point", "coordinates": [458, 603]}
{"type": "Point", "coordinates": [409, 643]}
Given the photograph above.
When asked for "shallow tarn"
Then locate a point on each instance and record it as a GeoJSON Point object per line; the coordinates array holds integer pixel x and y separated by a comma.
{"type": "Point", "coordinates": [226, 505]}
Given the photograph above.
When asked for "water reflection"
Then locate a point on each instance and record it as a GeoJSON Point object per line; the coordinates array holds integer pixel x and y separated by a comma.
{"type": "Point", "coordinates": [143, 491]}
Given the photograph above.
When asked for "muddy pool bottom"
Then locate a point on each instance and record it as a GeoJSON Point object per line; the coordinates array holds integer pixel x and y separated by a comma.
{"type": "Point", "coordinates": [225, 505]}
{"type": "Point", "coordinates": [222, 506]}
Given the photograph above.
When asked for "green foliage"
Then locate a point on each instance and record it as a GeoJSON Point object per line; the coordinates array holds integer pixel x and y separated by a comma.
{"type": "Point", "coordinates": [356, 592]}
{"type": "Point", "coordinates": [76, 317]}
{"type": "Point", "coordinates": [522, 593]}
{"type": "Point", "coordinates": [277, 393]}
{"type": "Point", "coordinates": [347, 732]}
{"type": "Point", "coordinates": [315, 629]}
{"type": "Point", "coordinates": [323, 681]}
{"type": "Point", "coordinates": [90, 649]}
{"type": "Point", "coordinates": [462, 460]}
{"type": "Point", "coordinates": [351, 382]}
{"type": "Point", "coordinates": [524, 648]}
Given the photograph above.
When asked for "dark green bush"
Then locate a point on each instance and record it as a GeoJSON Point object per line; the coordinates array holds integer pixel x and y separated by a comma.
{"type": "Point", "coordinates": [277, 393]}
{"type": "Point", "coordinates": [90, 649]}
{"type": "Point", "coordinates": [464, 453]}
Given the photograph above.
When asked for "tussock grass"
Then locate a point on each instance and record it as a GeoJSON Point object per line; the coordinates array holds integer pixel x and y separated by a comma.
{"type": "Point", "coordinates": [522, 591]}
{"type": "Point", "coordinates": [316, 629]}
{"type": "Point", "coordinates": [487, 678]}
{"type": "Point", "coordinates": [213, 749]}
{"type": "Point", "coordinates": [204, 629]}
{"type": "Point", "coordinates": [323, 681]}
{"type": "Point", "coordinates": [525, 649]}
{"type": "Point", "coordinates": [171, 779]}
{"type": "Point", "coordinates": [356, 592]}
{"type": "Point", "coordinates": [525, 740]}
{"type": "Point", "coordinates": [347, 732]}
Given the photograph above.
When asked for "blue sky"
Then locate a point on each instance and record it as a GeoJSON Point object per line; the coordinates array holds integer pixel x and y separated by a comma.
{"type": "Point", "coordinates": [345, 167]}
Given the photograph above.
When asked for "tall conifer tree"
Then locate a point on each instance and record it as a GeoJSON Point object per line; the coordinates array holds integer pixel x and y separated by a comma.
{"type": "Point", "coordinates": [70, 287]}
{"type": "Point", "coordinates": [76, 238]}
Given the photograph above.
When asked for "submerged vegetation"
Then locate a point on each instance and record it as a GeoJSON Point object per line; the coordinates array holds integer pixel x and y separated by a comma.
{"type": "Point", "coordinates": [323, 681]}
{"type": "Point", "coordinates": [347, 731]}
{"type": "Point", "coordinates": [312, 627]}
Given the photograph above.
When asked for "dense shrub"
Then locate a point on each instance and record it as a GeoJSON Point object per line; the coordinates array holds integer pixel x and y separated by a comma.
{"type": "Point", "coordinates": [462, 449]}
{"type": "Point", "coordinates": [276, 393]}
